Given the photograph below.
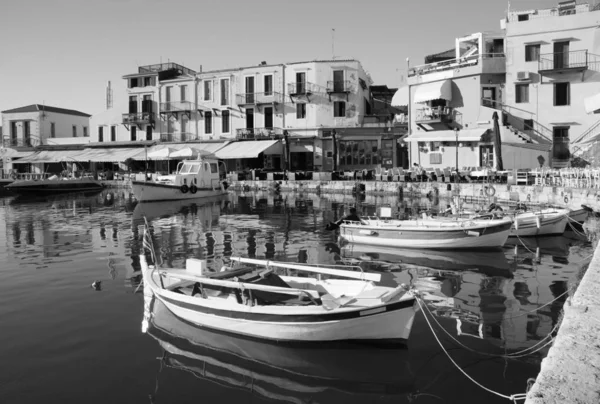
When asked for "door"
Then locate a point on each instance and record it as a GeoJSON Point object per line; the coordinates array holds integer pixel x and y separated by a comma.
{"type": "Point", "coordinates": [147, 104]}
{"type": "Point", "coordinates": [486, 156]}
{"type": "Point", "coordinates": [269, 117]}
{"type": "Point", "coordinates": [560, 148]}
{"type": "Point", "coordinates": [250, 122]}
{"type": "Point", "coordinates": [148, 132]}
{"type": "Point", "coordinates": [327, 155]}
{"type": "Point", "coordinates": [133, 109]}
{"type": "Point", "coordinates": [300, 83]}
{"type": "Point", "coordinates": [561, 55]}
{"type": "Point", "coordinates": [488, 97]}
{"type": "Point", "coordinates": [338, 80]}
{"type": "Point", "coordinates": [249, 90]}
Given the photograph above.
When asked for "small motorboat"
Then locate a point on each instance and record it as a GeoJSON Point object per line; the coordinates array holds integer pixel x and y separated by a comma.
{"type": "Point", "coordinates": [429, 232]}
{"type": "Point", "coordinates": [543, 222]}
{"type": "Point", "coordinates": [193, 179]}
{"type": "Point", "coordinates": [254, 301]}
{"type": "Point", "coordinates": [54, 184]}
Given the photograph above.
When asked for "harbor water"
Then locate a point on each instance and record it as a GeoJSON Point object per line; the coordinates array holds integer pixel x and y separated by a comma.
{"type": "Point", "coordinates": [63, 341]}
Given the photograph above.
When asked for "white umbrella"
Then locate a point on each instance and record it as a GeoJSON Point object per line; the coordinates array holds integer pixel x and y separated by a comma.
{"type": "Point", "coordinates": [161, 154]}
{"type": "Point", "coordinates": [189, 152]}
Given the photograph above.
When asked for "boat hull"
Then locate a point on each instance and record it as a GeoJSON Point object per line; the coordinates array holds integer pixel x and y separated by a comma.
{"type": "Point", "coordinates": [490, 235]}
{"type": "Point", "coordinates": [54, 186]}
{"type": "Point", "coordinates": [147, 191]}
{"type": "Point", "coordinates": [540, 224]}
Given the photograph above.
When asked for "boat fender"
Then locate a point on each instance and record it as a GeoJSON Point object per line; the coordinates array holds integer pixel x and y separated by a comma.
{"type": "Point", "coordinates": [538, 222]}
{"type": "Point", "coordinates": [566, 199]}
{"type": "Point", "coordinates": [490, 191]}
{"type": "Point", "coordinates": [193, 189]}
{"type": "Point", "coordinates": [184, 188]}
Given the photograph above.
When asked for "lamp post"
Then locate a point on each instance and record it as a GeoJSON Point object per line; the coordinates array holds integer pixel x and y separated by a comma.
{"type": "Point", "coordinates": [456, 135]}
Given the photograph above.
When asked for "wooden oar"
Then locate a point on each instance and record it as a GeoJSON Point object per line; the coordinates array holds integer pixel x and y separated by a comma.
{"type": "Point", "coordinates": [299, 267]}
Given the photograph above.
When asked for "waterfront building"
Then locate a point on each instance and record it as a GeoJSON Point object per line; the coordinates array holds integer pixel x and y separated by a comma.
{"type": "Point", "coordinates": [553, 88]}
{"type": "Point", "coordinates": [452, 99]}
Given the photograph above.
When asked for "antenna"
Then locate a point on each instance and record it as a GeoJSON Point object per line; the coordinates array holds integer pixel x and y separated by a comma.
{"type": "Point", "coordinates": [333, 43]}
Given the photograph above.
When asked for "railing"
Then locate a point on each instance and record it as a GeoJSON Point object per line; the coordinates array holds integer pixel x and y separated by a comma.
{"type": "Point", "coordinates": [159, 67]}
{"type": "Point", "coordinates": [302, 87]}
{"type": "Point", "coordinates": [452, 63]}
{"type": "Point", "coordinates": [139, 118]}
{"type": "Point", "coordinates": [590, 133]}
{"type": "Point", "coordinates": [179, 137]}
{"type": "Point", "coordinates": [551, 12]}
{"type": "Point", "coordinates": [259, 133]}
{"type": "Point", "coordinates": [174, 106]}
{"type": "Point", "coordinates": [19, 142]}
{"type": "Point", "coordinates": [339, 86]}
{"type": "Point", "coordinates": [563, 60]}
{"type": "Point", "coordinates": [434, 114]}
{"type": "Point", "coordinates": [378, 118]}
{"type": "Point", "coordinates": [259, 98]}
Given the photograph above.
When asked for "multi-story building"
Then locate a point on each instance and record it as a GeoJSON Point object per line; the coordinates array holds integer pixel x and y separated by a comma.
{"type": "Point", "coordinates": [552, 80]}
{"type": "Point", "coordinates": [453, 99]}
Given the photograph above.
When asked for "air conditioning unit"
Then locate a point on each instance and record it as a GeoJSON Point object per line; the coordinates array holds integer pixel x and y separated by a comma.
{"type": "Point", "coordinates": [522, 76]}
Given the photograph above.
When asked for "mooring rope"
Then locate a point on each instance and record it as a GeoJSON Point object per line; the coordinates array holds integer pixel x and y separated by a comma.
{"type": "Point", "coordinates": [513, 397]}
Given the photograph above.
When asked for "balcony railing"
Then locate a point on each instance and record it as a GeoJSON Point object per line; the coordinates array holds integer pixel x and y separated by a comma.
{"type": "Point", "coordinates": [259, 98]}
{"type": "Point", "coordinates": [520, 16]}
{"type": "Point", "coordinates": [434, 114]}
{"type": "Point", "coordinates": [179, 137]}
{"type": "Point", "coordinates": [139, 118]}
{"type": "Point", "coordinates": [452, 64]}
{"type": "Point", "coordinates": [177, 106]}
{"type": "Point", "coordinates": [302, 87]}
{"type": "Point", "coordinates": [19, 142]}
{"type": "Point", "coordinates": [561, 61]}
{"type": "Point", "coordinates": [339, 86]}
{"type": "Point", "coordinates": [259, 133]}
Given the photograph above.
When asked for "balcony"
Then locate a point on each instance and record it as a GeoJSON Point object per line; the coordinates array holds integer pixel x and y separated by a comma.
{"type": "Point", "coordinates": [139, 119]}
{"type": "Point", "coordinates": [302, 88]}
{"type": "Point", "coordinates": [259, 98]}
{"type": "Point", "coordinates": [19, 142]}
{"type": "Point", "coordinates": [378, 120]}
{"type": "Point", "coordinates": [428, 117]}
{"type": "Point", "coordinates": [482, 63]}
{"type": "Point", "coordinates": [179, 137]}
{"type": "Point", "coordinates": [339, 87]}
{"type": "Point", "coordinates": [175, 108]}
{"type": "Point", "coordinates": [259, 133]}
{"type": "Point", "coordinates": [561, 62]}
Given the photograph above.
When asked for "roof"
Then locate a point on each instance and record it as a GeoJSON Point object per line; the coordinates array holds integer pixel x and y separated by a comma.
{"type": "Point", "coordinates": [47, 108]}
{"type": "Point", "coordinates": [274, 64]}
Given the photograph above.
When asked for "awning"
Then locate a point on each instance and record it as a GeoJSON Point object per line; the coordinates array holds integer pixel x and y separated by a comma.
{"type": "Point", "coordinates": [400, 99]}
{"type": "Point", "coordinates": [434, 91]}
{"type": "Point", "coordinates": [301, 148]}
{"type": "Point", "coordinates": [592, 103]}
{"type": "Point", "coordinates": [12, 153]}
{"type": "Point", "coordinates": [114, 155]}
{"type": "Point", "coordinates": [464, 135]}
{"type": "Point", "coordinates": [249, 149]}
{"type": "Point", "coordinates": [52, 156]}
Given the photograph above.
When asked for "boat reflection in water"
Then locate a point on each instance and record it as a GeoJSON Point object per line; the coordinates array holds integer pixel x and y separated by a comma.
{"type": "Point", "coordinates": [167, 209]}
{"type": "Point", "coordinates": [285, 373]}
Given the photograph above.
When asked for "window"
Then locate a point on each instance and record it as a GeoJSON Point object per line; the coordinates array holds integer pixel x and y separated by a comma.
{"type": "Point", "coordinates": [339, 109]}
{"type": "Point", "coordinates": [523, 17]}
{"type": "Point", "coordinates": [268, 84]}
{"type": "Point", "coordinates": [148, 132]}
{"type": "Point", "coordinates": [562, 94]}
{"type": "Point", "coordinates": [225, 121]}
{"type": "Point", "coordinates": [528, 125]}
{"type": "Point", "coordinates": [74, 130]}
{"type": "Point", "coordinates": [521, 93]}
{"type": "Point", "coordinates": [213, 168]}
{"type": "Point", "coordinates": [208, 122]}
{"type": "Point", "coordinates": [300, 110]}
{"type": "Point", "coordinates": [532, 53]}
{"type": "Point", "coordinates": [183, 90]}
{"type": "Point", "coordinates": [207, 90]}
{"type": "Point", "coordinates": [100, 134]}
{"type": "Point", "coordinates": [113, 133]}
{"type": "Point", "coordinates": [52, 129]}
{"type": "Point", "coordinates": [133, 82]}
{"type": "Point", "coordinates": [168, 94]}
{"type": "Point", "coordinates": [85, 132]}
{"type": "Point", "coordinates": [148, 81]}
{"type": "Point", "coordinates": [133, 133]}
{"type": "Point", "coordinates": [27, 133]}
{"type": "Point", "coordinates": [354, 153]}
{"type": "Point", "coordinates": [225, 92]}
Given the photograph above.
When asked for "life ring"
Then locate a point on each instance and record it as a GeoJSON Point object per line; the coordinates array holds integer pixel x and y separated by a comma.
{"type": "Point", "coordinates": [193, 189]}
{"type": "Point", "coordinates": [184, 188]}
{"type": "Point", "coordinates": [490, 191]}
{"type": "Point", "coordinates": [566, 199]}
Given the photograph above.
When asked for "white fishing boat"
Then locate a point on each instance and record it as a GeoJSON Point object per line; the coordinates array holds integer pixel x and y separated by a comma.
{"type": "Point", "coordinates": [256, 302]}
{"type": "Point", "coordinates": [429, 232]}
{"type": "Point", "coordinates": [193, 179]}
{"type": "Point", "coordinates": [543, 222]}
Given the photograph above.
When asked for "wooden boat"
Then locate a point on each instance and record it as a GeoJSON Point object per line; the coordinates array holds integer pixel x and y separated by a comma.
{"type": "Point", "coordinates": [349, 373]}
{"type": "Point", "coordinates": [54, 185]}
{"type": "Point", "coordinates": [543, 222]}
{"type": "Point", "coordinates": [261, 304]}
{"type": "Point", "coordinates": [193, 179]}
{"type": "Point", "coordinates": [434, 233]}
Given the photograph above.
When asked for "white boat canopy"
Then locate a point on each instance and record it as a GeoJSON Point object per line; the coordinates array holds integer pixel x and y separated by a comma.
{"type": "Point", "coordinates": [464, 135]}
{"type": "Point", "coordinates": [400, 98]}
{"type": "Point", "coordinates": [592, 103]}
{"type": "Point", "coordinates": [434, 91]}
{"type": "Point", "coordinates": [249, 149]}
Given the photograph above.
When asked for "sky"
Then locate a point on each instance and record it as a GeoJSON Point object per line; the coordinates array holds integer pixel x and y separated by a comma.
{"type": "Point", "coordinates": [63, 52]}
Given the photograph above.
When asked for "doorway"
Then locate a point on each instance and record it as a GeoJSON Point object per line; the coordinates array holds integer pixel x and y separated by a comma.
{"type": "Point", "coordinates": [486, 156]}
{"type": "Point", "coordinates": [561, 55]}
{"type": "Point", "coordinates": [560, 148]}
{"type": "Point", "coordinates": [250, 90]}
{"type": "Point", "coordinates": [249, 118]}
{"type": "Point", "coordinates": [488, 97]}
{"type": "Point", "coordinates": [269, 117]}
